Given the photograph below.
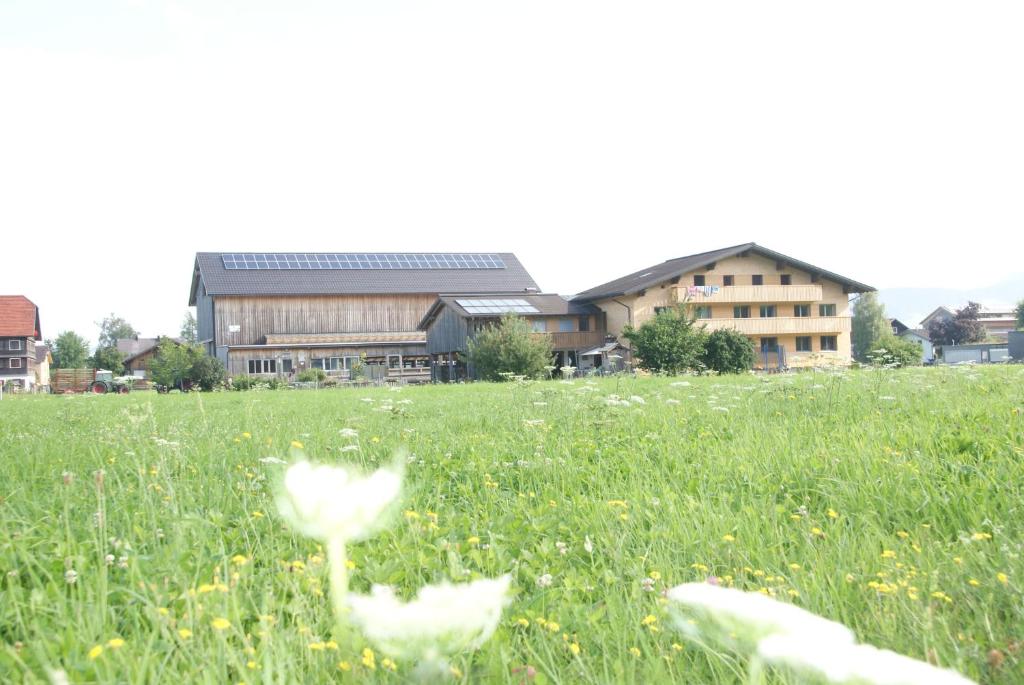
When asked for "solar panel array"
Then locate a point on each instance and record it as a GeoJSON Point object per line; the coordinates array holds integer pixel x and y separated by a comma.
{"type": "Point", "coordinates": [348, 260]}
{"type": "Point", "coordinates": [497, 306]}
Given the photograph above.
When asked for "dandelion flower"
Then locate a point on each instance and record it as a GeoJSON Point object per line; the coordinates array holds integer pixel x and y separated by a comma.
{"type": "Point", "coordinates": [1002, 578]}
{"type": "Point", "coordinates": [184, 633]}
{"type": "Point", "coordinates": [95, 652]}
{"type": "Point", "coordinates": [442, 620]}
{"type": "Point", "coordinates": [750, 616]}
{"type": "Point", "coordinates": [220, 624]}
{"type": "Point", "coordinates": [115, 643]}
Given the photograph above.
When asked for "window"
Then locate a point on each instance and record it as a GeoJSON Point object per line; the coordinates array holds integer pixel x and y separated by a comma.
{"type": "Point", "coordinates": [14, 345]}
{"type": "Point", "coordinates": [565, 326]}
{"type": "Point", "coordinates": [768, 311]}
{"type": "Point", "coordinates": [769, 344]}
{"type": "Point", "coordinates": [803, 343]}
{"type": "Point", "coordinates": [801, 310]}
{"type": "Point", "coordinates": [15, 363]}
{"type": "Point", "coordinates": [349, 362]}
{"type": "Point", "coordinates": [757, 279]}
{"type": "Point", "coordinates": [826, 310]}
{"type": "Point", "coordinates": [741, 312]}
{"type": "Point", "coordinates": [394, 361]}
{"type": "Point", "coordinates": [660, 310]}
{"type": "Point", "coordinates": [698, 279]}
{"type": "Point", "coordinates": [286, 365]}
{"type": "Point", "coordinates": [828, 343]}
{"type": "Point", "coordinates": [262, 366]}
{"type": "Point", "coordinates": [539, 325]}
{"type": "Point", "coordinates": [702, 312]}
{"type": "Point", "coordinates": [727, 280]}
{"type": "Point", "coordinates": [786, 279]}
{"type": "Point", "coordinates": [317, 363]}
{"type": "Point", "coordinates": [584, 323]}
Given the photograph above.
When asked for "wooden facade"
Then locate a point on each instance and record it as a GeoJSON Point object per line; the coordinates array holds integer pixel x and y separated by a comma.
{"type": "Point", "coordinates": [18, 361]}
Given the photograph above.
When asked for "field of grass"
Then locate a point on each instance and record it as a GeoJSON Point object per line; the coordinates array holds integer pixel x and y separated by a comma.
{"type": "Point", "coordinates": [891, 501]}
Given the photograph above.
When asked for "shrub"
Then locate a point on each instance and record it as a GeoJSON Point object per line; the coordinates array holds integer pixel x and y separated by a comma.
{"type": "Point", "coordinates": [509, 348]}
{"type": "Point", "coordinates": [728, 351]}
{"type": "Point", "coordinates": [243, 382]}
{"type": "Point", "coordinates": [207, 372]}
{"type": "Point", "coordinates": [893, 351]}
{"type": "Point", "coordinates": [668, 343]}
{"type": "Point", "coordinates": [311, 376]}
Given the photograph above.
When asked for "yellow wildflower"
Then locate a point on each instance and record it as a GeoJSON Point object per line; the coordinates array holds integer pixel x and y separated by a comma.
{"type": "Point", "coordinates": [239, 560]}
{"type": "Point", "coordinates": [902, 534]}
{"type": "Point", "coordinates": [817, 532]}
{"type": "Point", "coordinates": [344, 666]}
{"type": "Point", "coordinates": [794, 567]}
{"type": "Point", "coordinates": [473, 540]}
{"type": "Point", "coordinates": [388, 664]}
{"type": "Point", "coordinates": [634, 651]}
{"type": "Point", "coordinates": [247, 436]}
{"type": "Point", "coordinates": [981, 536]}
{"type": "Point", "coordinates": [655, 575]}
{"type": "Point", "coordinates": [553, 627]}
{"type": "Point", "coordinates": [888, 554]}
{"type": "Point", "coordinates": [251, 665]}
{"type": "Point", "coordinates": [184, 633]}
{"type": "Point", "coordinates": [833, 514]}
{"type": "Point", "coordinates": [1002, 578]}
{"type": "Point", "coordinates": [350, 565]}
{"type": "Point", "coordinates": [297, 445]}
{"type": "Point", "coordinates": [525, 623]}
{"type": "Point", "coordinates": [220, 624]}
{"type": "Point", "coordinates": [368, 659]}
{"type": "Point", "coordinates": [676, 647]}
{"type": "Point", "coordinates": [115, 643]}
{"type": "Point", "coordinates": [95, 652]}
{"type": "Point", "coordinates": [411, 515]}
{"type": "Point", "coordinates": [317, 646]}
{"type": "Point", "coordinates": [257, 514]}
{"type": "Point", "coordinates": [958, 560]}
{"type": "Point", "coordinates": [163, 611]}
{"type": "Point", "coordinates": [575, 648]}
{"type": "Point", "coordinates": [973, 582]}
{"type": "Point", "coordinates": [728, 538]}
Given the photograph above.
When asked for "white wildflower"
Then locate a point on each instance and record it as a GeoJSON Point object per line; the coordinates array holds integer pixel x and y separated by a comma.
{"type": "Point", "coordinates": [848, 663]}
{"type": "Point", "coordinates": [544, 580]}
{"type": "Point", "coordinates": [109, 559]}
{"type": "Point", "coordinates": [272, 460]}
{"type": "Point", "coordinates": [588, 545]}
{"type": "Point", "coordinates": [71, 576]}
{"type": "Point", "coordinates": [721, 409]}
{"type": "Point", "coordinates": [671, 401]}
{"type": "Point", "coordinates": [680, 384]}
{"type": "Point", "coordinates": [443, 619]}
{"type": "Point", "coordinates": [350, 448]}
{"type": "Point", "coordinates": [563, 548]}
{"type": "Point", "coordinates": [349, 433]}
{"type": "Point", "coordinates": [750, 616]}
{"type": "Point", "coordinates": [647, 584]}
{"type": "Point", "coordinates": [636, 399]}
{"type": "Point", "coordinates": [327, 502]}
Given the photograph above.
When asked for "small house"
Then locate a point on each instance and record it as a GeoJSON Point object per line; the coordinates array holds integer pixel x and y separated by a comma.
{"type": "Point", "coordinates": [19, 332]}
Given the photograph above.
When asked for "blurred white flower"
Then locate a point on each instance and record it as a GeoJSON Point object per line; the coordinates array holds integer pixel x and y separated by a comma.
{"type": "Point", "coordinates": [272, 460]}
{"type": "Point", "coordinates": [332, 502]}
{"type": "Point", "coordinates": [750, 616]}
{"type": "Point", "coordinates": [71, 576]}
{"type": "Point", "coordinates": [349, 433]}
{"type": "Point", "coordinates": [588, 545]}
{"type": "Point", "coordinates": [848, 663]}
{"type": "Point", "coordinates": [636, 399]}
{"type": "Point", "coordinates": [544, 580]}
{"type": "Point", "coordinates": [442, 620]}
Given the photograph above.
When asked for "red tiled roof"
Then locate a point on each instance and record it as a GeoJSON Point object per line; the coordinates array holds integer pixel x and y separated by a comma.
{"type": "Point", "coordinates": [18, 317]}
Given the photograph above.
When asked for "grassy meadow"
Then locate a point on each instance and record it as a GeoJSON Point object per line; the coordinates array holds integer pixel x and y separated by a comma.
{"type": "Point", "coordinates": [140, 542]}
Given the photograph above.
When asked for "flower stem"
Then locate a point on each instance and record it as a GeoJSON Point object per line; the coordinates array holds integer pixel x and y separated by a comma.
{"type": "Point", "coordinates": [336, 561]}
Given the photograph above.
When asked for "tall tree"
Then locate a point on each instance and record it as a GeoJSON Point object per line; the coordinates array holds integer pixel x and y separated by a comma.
{"type": "Point", "coordinates": [1020, 315]}
{"type": "Point", "coordinates": [189, 330]}
{"type": "Point", "coordinates": [114, 328]}
{"type": "Point", "coordinates": [109, 358]}
{"type": "Point", "coordinates": [69, 351]}
{"type": "Point", "coordinates": [962, 329]}
{"type": "Point", "coordinates": [869, 325]}
{"type": "Point", "coordinates": [669, 343]}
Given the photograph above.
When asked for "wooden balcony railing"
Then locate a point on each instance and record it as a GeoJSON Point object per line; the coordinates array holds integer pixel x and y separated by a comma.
{"type": "Point", "coordinates": [783, 325]}
{"type": "Point", "coordinates": [751, 293]}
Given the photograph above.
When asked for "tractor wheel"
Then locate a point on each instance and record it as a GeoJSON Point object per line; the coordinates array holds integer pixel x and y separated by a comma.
{"type": "Point", "coordinates": [123, 390]}
{"type": "Point", "coordinates": [98, 388]}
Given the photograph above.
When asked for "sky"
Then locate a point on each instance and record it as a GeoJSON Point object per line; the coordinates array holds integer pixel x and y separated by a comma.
{"type": "Point", "coordinates": [879, 140]}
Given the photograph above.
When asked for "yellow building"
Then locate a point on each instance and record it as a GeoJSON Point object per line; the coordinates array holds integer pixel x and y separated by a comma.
{"type": "Point", "coordinates": [796, 313]}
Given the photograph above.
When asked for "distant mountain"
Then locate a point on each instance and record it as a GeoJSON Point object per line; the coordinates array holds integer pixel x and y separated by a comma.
{"type": "Point", "coordinates": [910, 305]}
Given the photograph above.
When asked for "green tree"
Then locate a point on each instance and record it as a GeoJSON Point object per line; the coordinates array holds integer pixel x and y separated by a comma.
{"type": "Point", "coordinates": [1020, 315]}
{"type": "Point", "coordinates": [109, 358]}
{"type": "Point", "coordinates": [869, 324]}
{"type": "Point", "coordinates": [728, 351]}
{"type": "Point", "coordinates": [892, 351]}
{"type": "Point", "coordinates": [668, 343]}
{"type": "Point", "coordinates": [173, 363]}
{"type": "Point", "coordinates": [189, 330]}
{"type": "Point", "coordinates": [509, 348]}
{"type": "Point", "coordinates": [114, 328]}
{"type": "Point", "coordinates": [69, 351]}
{"type": "Point", "coordinates": [207, 372]}
{"type": "Point", "coordinates": [964, 328]}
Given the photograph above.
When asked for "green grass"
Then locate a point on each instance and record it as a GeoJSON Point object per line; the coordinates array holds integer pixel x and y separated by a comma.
{"type": "Point", "coordinates": [915, 462]}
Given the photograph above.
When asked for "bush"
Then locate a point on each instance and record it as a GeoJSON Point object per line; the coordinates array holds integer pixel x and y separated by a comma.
{"type": "Point", "coordinates": [206, 372]}
{"type": "Point", "coordinates": [509, 348]}
{"type": "Point", "coordinates": [728, 351]}
{"type": "Point", "coordinates": [893, 351]}
{"type": "Point", "coordinates": [668, 343]}
{"type": "Point", "coordinates": [243, 382]}
{"type": "Point", "coordinates": [311, 376]}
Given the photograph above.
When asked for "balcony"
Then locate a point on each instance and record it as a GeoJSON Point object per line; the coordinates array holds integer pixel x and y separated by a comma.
{"type": "Point", "coordinates": [783, 325]}
{"type": "Point", "coordinates": [751, 293]}
{"type": "Point", "coordinates": [577, 340]}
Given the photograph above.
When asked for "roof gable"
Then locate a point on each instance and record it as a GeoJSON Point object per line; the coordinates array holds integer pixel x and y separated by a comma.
{"type": "Point", "coordinates": [544, 304]}
{"type": "Point", "coordinates": [673, 268]}
{"type": "Point", "coordinates": [18, 317]}
{"type": "Point", "coordinates": [211, 272]}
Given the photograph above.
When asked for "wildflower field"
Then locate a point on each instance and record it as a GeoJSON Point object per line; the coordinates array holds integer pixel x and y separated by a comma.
{"type": "Point", "coordinates": [140, 539]}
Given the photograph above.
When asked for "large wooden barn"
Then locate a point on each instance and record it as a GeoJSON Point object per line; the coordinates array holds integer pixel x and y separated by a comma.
{"type": "Point", "coordinates": [275, 314]}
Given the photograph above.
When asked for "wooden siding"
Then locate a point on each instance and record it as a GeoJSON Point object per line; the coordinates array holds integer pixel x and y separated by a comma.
{"type": "Point", "coordinates": [205, 316]}
{"type": "Point", "coordinates": [578, 340]}
{"type": "Point", "coordinates": [449, 332]}
{"type": "Point", "coordinates": [27, 355]}
{"type": "Point", "coordinates": [259, 316]}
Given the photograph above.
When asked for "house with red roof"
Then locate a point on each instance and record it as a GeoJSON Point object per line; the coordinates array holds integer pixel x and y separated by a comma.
{"type": "Point", "coordinates": [19, 332]}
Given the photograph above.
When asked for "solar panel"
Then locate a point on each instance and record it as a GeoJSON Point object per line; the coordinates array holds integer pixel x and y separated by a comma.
{"type": "Point", "coordinates": [303, 261]}
{"type": "Point", "coordinates": [516, 306]}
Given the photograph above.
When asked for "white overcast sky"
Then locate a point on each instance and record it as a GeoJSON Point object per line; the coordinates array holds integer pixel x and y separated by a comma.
{"type": "Point", "coordinates": [881, 140]}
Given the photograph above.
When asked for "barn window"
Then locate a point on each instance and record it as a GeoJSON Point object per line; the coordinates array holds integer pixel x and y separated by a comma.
{"type": "Point", "coordinates": [14, 345]}
{"type": "Point", "coordinates": [317, 363]}
{"type": "Point", "coordinates": [15, 363]}
{"type": "Point", "coordinates": [286, 365]}
{"type": "Point", "coordinates": [262, 366]}
{"type": "Point", "coordinates": [828, 343]}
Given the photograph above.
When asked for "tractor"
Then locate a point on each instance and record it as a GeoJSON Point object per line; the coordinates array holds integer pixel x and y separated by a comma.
{"type": "Point", "coordinates": [105, 382]}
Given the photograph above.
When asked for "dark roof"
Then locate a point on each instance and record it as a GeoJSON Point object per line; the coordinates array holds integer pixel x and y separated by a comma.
{"type": "Point", "coordinates": [209, 266]}
{"type": "Point", "coordinates": [898, 326]}
{"type": "Point", "coordinates": [41, 352]}
{"type": "Point", "coordinates": [19, 318]}
{"type": "Point", "coordinates": [919, 332]}
{"type": "Point", "coordinates": [148, 345]}
{"type": "Point", "coordinates": [133, 346]}
{"type": "Point", "coordinates": [547, 304]}
{"type": "Point", "coordinates": [651, 276]}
